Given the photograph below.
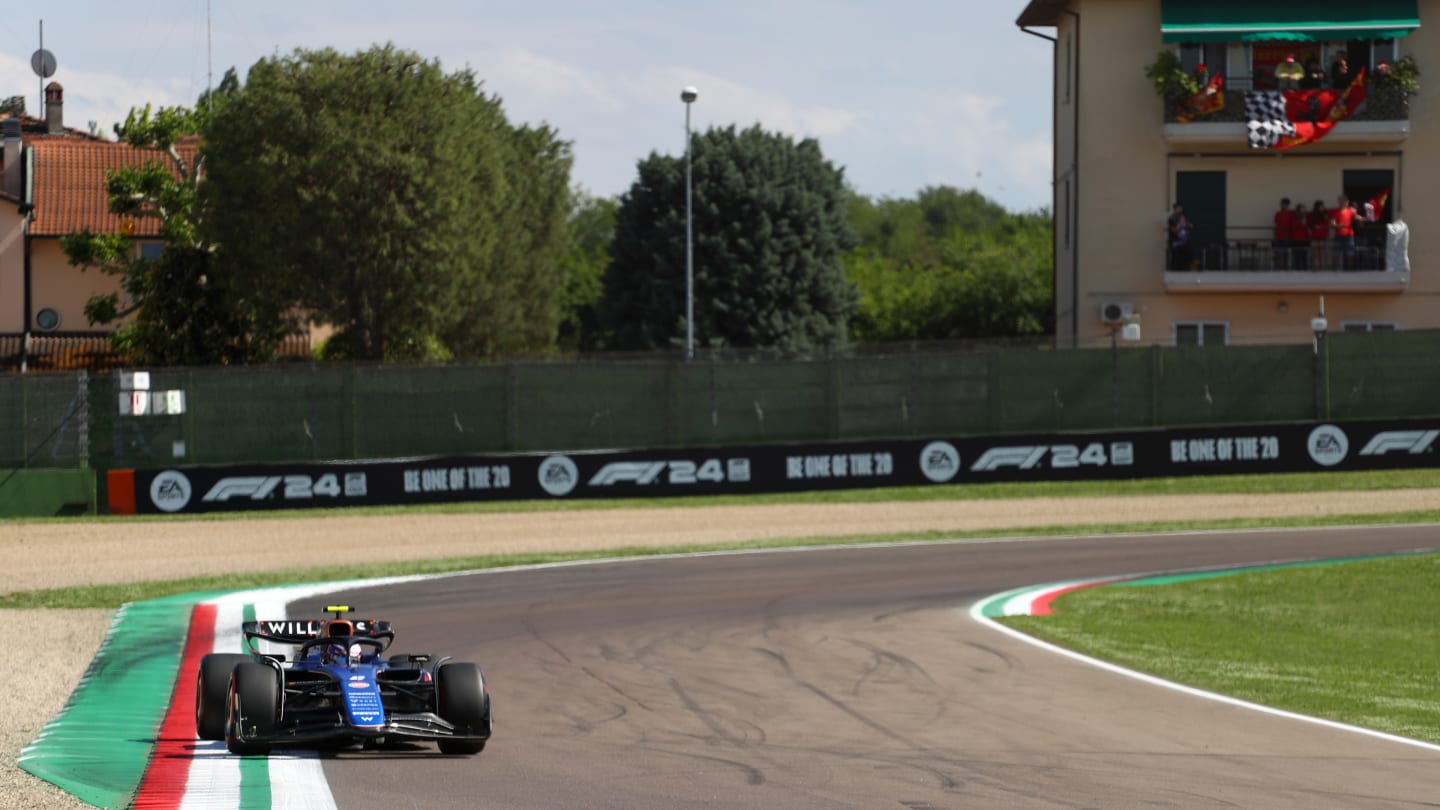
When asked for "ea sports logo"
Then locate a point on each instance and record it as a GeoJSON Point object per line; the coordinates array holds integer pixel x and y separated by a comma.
{"type": "Point", "coordinates": [170, 491]}
{"type": "Point", "coordinates": [939, 461]}
{"type": "Point", "coordinates": [1328, 445]}
{"type": "Point", "coordinates": [558, 475]}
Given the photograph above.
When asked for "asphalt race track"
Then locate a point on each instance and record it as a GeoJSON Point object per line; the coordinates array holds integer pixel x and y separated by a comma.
{"type": "Point", "coordinates": [850, 678]}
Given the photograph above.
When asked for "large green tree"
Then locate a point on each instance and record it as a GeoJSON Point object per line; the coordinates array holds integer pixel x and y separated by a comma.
{"type": "Point", "coordinates": [949, 265]}
{"type": "Point", "coordinates": [393, 201]}
{"type": "Point", "coordinates": [769, 234]}
{"type": "Point", "coordinates": [592, 226]}
{"type": "Point", "coordinates": [179, 309]}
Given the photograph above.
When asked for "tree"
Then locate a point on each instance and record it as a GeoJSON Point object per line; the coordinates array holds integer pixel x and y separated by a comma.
{"type": "Point", "coordinates": [392, 201]}
{"type": "Point", "coordinates": [769, 234]}
{"type": "Point", "coordinates": [592, 226]}
{"type": "Point", "coordinates": [949, 265]}
{"type": "Point", "coordinates": [181, 310]}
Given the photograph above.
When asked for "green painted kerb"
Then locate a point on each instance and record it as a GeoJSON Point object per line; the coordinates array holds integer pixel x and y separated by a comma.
{"type": "Point", "coordinates": [98, 745]}
{"type": "Point", "coordinates": [1171, 579]}
{"type": "Point", "coordinates": [254, 771]}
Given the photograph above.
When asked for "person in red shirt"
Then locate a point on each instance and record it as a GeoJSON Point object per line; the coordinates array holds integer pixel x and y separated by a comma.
{"type": "Point", "coordinates": [1319, 222]}
{"type": "Point", "coordinates": [1284, 222]}
{"type": "Point", "coordinates": [1342, 219]}
{"type": "Point", "coordinates": [1300, 239]}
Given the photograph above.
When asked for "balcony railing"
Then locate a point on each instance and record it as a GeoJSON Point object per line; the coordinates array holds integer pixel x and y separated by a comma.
{"type": "Point", "coordinates": [1266, 255]}
{"type": "Point", "coordinates": [1382, 103]}
{"type": "Point", "coordinates": [1243, 261]}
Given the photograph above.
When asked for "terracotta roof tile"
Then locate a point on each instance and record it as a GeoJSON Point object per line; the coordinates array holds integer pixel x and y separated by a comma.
{"type": "Point", "coordinates": [70, 184]}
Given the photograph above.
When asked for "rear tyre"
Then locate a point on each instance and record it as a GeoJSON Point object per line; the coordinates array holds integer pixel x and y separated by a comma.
{"type": "Point", "coordinates": [212, 684]}
{"type": "Point", "coordinates": [254, 703]}
{"type": "Point", "coordinates": [461, 700]}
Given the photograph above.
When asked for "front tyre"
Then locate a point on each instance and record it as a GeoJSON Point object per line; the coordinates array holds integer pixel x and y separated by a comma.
{"type": "Point", "coordinates": [212, 686]}
{"type": "Point", "coordinates": [462, 701]}
{"type": "Point", "coordinates": [254, 703]}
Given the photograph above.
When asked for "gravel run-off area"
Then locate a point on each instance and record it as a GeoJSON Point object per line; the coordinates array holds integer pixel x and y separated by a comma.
{"type": "Point", "coordinates": [59, 644]}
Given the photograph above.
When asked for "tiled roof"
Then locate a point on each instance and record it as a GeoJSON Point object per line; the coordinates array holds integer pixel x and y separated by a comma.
{"type": "Point", "coordinates": [69, 177]}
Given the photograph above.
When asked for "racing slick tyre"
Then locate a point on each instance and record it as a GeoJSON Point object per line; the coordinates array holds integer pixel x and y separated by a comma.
{"type": "Point", "coordinates": [461, 700]}
{"type": "Point", "coordinates": [254, 702]}
{"type": "Point", "coordinates": [212, 683]}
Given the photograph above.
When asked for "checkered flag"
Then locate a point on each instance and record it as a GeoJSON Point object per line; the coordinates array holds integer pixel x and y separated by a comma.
{"type": "Point", "coordinates": [1265, 112]}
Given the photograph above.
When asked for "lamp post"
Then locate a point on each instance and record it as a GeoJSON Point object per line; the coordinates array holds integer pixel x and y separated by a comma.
{"type": "Point", "coordinates": [688, 95]}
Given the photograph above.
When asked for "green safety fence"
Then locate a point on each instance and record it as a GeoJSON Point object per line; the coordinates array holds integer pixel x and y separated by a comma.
{"type": "Point", "coordinates": [332, 411]}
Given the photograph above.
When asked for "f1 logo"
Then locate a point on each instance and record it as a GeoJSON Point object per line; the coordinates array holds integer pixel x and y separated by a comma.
{"type": "Point", "coordinates": [1413, 442]}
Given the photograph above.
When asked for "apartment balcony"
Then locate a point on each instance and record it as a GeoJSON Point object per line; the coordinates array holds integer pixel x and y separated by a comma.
{"type": "Point", "coordinates": [1384, 119]}
{"type": "Point", "coordinates": [1246, 264]}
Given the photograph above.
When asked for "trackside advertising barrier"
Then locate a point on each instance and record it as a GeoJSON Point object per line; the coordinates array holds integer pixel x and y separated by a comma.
{"type": "Point", "coordinates": [1169, 452]}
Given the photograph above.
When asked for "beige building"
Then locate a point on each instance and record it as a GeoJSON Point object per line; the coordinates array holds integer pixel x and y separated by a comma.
{"type": "Point", "coordinates": [1123, 155]}
{"type": "Point", "coordinates": [52, 182]}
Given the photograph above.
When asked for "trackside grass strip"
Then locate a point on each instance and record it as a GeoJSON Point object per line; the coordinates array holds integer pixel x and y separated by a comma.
{"type": "Point", "coordinates": [1355, 642]}
{"type": "Point", "coordinates": [114, 595]}
{"type": "Point", "coordinates": [1196, 485]}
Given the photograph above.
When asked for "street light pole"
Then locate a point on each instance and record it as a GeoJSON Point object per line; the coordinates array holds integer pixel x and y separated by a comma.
{"type": "Point", "coordinates": [689, 94]}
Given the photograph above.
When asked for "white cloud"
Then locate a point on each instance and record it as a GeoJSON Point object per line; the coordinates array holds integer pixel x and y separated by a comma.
{"type": "Point", "coordinates": [543, 82]}
{"type": "Point", "coordinates": [723, 102]}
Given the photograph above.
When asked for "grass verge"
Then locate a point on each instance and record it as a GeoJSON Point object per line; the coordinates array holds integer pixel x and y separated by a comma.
{"type": "Point", "coordinates": [1197, 485]}
{"type": "Point", "coordinates": [114, 595]}
{"type": "Point", "coordinates": [1355, 642]}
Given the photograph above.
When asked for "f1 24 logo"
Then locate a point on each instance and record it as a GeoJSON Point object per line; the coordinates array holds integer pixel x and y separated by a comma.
{"type": "Point", "coordinates": [296, 487]}
{"type": "Point", "coordinates": [1062, 456]}
{"type": "Point", "coordinates": [674, 472]}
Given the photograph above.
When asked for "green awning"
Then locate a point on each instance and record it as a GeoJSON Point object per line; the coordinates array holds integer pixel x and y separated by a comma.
{"type": "Point", "coordinates": [1294, 20]}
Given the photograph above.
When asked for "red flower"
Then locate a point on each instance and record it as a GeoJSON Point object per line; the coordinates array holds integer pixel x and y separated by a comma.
{"type": "Point", "coordinates": [1199, 68]}
{"type": "Point", "coordinates": [1383, 67]}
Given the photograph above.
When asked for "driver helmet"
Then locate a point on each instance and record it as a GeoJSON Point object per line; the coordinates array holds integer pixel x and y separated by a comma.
{"type": "Point", "coordinates": [333, 654]}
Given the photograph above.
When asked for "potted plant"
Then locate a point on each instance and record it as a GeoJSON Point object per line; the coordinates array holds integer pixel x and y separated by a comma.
{"type": "Point", "coordinates": [1391, 86]}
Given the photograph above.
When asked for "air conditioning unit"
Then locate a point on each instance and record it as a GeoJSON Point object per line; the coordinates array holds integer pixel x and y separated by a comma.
{"type": "Point", "coordinates": [1116, 311]}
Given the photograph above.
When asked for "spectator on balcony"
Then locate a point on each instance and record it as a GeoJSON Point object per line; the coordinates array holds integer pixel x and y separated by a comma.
{"type": "Point", "coordinates": [1300, 239]}
{"type": "Point", "coordinates": [1179, 228]}
{"type": "Point", "coordinates": [1319, 222]}
{"type": "Point", "coordinates": [1342, 220]}
{"type": "Point", "coordinates": [1314, 77]}
{"type": "Point", "coordinates": [1289, 73]}
{"type": "Point", "coordinates": [1370, 237]}
{"type": "Point", "coordinates": [1284, 224]}
{"type": "Point", "coordinates": [1340, 73]}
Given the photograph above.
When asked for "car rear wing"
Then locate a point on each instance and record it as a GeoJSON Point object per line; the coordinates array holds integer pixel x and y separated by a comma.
{"type": "Point", "coordinates": [299, 631]}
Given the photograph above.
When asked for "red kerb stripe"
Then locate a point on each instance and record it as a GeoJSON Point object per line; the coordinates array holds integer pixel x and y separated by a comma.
{"type": "Point", "coordinates": [1041, 606]}
{"type": "Point", "coordinates": [163, 785]}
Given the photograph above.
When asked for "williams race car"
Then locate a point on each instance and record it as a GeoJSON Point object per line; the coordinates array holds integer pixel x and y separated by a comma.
{"type": "Point", "coordinates": [338, 688]}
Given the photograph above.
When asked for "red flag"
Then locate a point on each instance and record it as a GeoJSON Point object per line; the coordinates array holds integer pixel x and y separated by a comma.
{"type": "Point", "coordinates": [1375, 208]}
{"type": "Point", "coordinates": [1316, 112]}
{"type": "Point", "coordinates": [1211, 98]}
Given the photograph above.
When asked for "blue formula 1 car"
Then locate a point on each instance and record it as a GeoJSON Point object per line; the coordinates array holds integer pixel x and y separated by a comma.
{"type": "Point", "coordinates": [338, 688]}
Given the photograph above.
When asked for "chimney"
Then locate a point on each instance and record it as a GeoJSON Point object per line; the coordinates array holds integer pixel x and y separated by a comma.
{"type": "Point", "coordinates": [54, 108]}
{"type": "Point", "coordinates": [10, 156]}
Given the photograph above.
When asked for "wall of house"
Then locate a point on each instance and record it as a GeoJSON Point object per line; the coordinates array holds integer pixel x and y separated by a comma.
{"type": "Point", "coordinates": [12, 269]}
{"type": "Point", "coordinates": [55, 284]}
{"type": "Point", "coordinates": [1122, 201]}
{"type": "Point", "coordinates": [1067, 178]}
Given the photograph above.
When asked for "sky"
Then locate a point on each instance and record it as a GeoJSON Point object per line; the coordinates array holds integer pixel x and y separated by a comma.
{"type": "Point", "coordinates": [901, 95]}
